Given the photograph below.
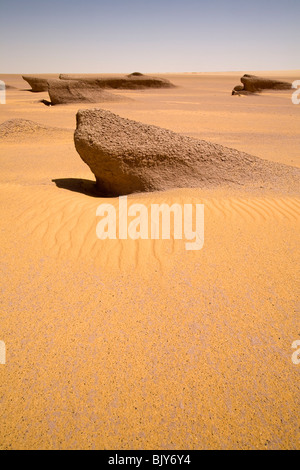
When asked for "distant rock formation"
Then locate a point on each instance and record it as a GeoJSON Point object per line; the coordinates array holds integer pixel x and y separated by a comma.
{"type": "Point", "coordinates": [253, 84]}
{"type": "Point", "coordinates": [37, 84]}
{"type": "Point", "coordinates": [135, 74]}
{"type": "Point", "coordinates": [72, 91]}
{"type": "Point", "coordinates": [240, 90]}
{"type": "Point", "coordinates": [127, 82]}
{"type": "Point", "coordinates": [127, 156]}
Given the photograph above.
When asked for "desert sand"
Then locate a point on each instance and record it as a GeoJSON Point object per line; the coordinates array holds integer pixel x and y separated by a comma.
{"type": "Point", "coordinates": [140, 344]}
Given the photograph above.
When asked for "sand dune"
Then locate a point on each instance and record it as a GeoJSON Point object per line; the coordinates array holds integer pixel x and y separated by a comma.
{"type": "Point", "coordinates": [23, 130]}
{"type": "Point", "coordinates": [67, 226]}
{"type": "Point", "coordinates": [122, 344]}
{"type": "Point", "coordinates": [111, 329]}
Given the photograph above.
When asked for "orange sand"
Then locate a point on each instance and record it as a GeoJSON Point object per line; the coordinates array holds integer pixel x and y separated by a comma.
{"type": "Point", "coordinates": [142, 344]}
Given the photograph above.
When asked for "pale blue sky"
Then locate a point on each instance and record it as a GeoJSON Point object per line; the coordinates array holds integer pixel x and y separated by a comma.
{"type": "Point", "coordinates": [38, 36]}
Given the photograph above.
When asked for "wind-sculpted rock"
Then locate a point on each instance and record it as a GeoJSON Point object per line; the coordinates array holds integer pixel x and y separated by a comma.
{"type": "Point", "coordinates": [136, 74]}
{"type": "Point", "coordinates": [127, 156]}
{"type": "Point", "coordinates": [72, 91]}
{"type": "Point", "coordinates": [37, 84]}
{"type": "Point", "coordinates": [253, 84]}
{"type": "Point", "coordinates": [134, 81]}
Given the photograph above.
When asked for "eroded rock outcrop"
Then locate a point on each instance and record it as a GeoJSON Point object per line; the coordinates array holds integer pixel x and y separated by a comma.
{"type": "Point", "coordinates": [136, 74]}
{"type": "Point", "coordinates": [127, 82]}
{"type": "Point", "coordinates": [127, 156]}
{"type": "Point", "coordinates": [37, 84]}
{"type": "Point", "coordinates": [253, 84]}
{"type": "Point", "coordinates": [72, 91]}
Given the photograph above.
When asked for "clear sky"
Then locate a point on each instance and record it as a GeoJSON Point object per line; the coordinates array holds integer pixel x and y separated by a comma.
{"type": "Point", "coordinates": [38, 36]}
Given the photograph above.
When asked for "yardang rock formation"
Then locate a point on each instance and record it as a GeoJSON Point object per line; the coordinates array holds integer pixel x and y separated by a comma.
{"type": "Point", "coordinates": [126, 82]}
{"type": "Point", "coordinates": [127, 156]}
{"type": "Point", "coordinates": [253, 84]}
{"type": "Point", "coordinates": [73, 91]}
{"type": "Point", "coordinates": [37, 84]}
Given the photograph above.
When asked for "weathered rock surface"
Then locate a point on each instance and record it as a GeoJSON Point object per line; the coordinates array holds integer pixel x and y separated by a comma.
{"type": "Point", "coordinates": [130, 82]}
{"type": "Point", "coordinates": [127, 156]}
{"type": "Point", "coordinates": [253, 84]}
{"type": "Point", "coordinates": [37, 84]}
{"type": "Point", "coordinates": [72, 91]}
{"type": "Point", "coordinates": [135, 74]}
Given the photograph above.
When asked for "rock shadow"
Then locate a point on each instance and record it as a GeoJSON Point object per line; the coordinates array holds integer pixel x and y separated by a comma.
{"type": "Point", "coordinates": [79, 185]}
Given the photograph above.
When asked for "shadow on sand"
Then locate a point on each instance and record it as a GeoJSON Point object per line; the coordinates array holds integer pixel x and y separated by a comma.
{"type": "Point", "coordinates": [79, 185]}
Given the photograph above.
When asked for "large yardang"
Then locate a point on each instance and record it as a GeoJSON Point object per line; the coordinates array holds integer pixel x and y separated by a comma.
{"type": "Point", "coordinates": [252, 84]}
{"type": "Point", "coordinates": [37, 84]}
{"type": "Point", "coordinates": [134, 81]}
{"type": "Point", "coordinates": [128, 156]}
{"type": "Point", "coordinates": [72, 91]}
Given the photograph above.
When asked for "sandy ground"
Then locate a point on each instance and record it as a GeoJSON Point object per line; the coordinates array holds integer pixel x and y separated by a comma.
{"type": "Point", "coordinates": [141, 344]}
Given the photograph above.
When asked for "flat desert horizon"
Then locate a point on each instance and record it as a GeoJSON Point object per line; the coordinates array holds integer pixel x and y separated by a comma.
{"type": "Point", "coordinates": [141, 344]}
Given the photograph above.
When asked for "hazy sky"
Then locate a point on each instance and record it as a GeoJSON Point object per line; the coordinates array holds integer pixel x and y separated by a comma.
{"type": "Point", "coordinates": [148, 36]}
